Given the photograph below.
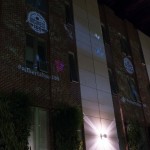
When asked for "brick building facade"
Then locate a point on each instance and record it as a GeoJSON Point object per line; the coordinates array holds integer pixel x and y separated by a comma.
{"type": "Point", "coordinates": [37, 52]}
{"type": "Point", "coordinates": [79, 52]}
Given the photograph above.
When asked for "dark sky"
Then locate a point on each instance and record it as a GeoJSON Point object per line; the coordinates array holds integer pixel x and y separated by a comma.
{"type": "Point", "coordinates": [136, 11]}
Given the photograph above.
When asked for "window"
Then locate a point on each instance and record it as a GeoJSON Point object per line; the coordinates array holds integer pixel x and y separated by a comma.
{"type": "Point", "coordinates": [73, 67]}
{"type": "Point", "coordinates": [125, 48]}
{"type": "Point", "coordinates": [113, 84]}
{"type": "Point", "coordinates": [105, 34]}
{"type": "Point", "coordinates": [142, 57]}
{"type": "Point", "coordinates": [38, 139]}
{"type": "Point", "coordinates": [69, 14]}
{"type": "Point", "coordinates": [133, 91]}
{"type": "Point", "coordinates": [35, 54]}
{"type": "Point", "coordinates": [39, 4]}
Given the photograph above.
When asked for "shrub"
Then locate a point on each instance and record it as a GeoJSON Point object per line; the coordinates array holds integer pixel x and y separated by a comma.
{"type": "Point", "coordinates": [67, 121]}
{"type": "Point", "coordinates": [15, 121]}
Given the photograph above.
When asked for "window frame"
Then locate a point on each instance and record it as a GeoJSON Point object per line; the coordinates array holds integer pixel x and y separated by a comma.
{"type": "Point", "coordinates": [35, 135]}
{"type": "Point", "coordinates": [69, 20]}
{"type": "Point", "coordinates": [33, 5]}
{"type": "Point", "coordinates": [36, 41]}
{"type": "Point", "coordinates": [125, 46]}
{"type": "Point", "coordinates": [72, 79]}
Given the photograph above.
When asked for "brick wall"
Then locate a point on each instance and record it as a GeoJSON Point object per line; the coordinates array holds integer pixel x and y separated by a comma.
{"type": "Point", "coordinates": [14, 76]}
{"type": "Point", "coordinates": [12, 55]}
{"type": "Point", "coordinates": [62, 42]}
{"type": "Point", "coordinates": [141, 72]}
{"type": "Point", "coordinates": [13, 29]}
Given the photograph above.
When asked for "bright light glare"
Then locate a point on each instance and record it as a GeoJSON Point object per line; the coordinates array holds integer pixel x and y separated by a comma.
{"type": "Point", "coordinates": [97, 142]}
{"type": "Point", "coordinates": [89, 122]}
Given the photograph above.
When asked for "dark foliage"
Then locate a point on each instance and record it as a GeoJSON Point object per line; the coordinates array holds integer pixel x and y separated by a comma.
{"type": "Point", "coordinates": [15, 121]}
{"type": "Point", "coordinates": [67, 121]}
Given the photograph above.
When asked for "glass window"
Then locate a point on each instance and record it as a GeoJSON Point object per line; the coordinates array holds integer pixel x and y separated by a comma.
{"type": "Point", "coordinates": [125, 48]}
{"type": "Point", "coordinates": [133, 90]}
{"type": "Point", "coordinates": [105, 34]}
{"type": "Point", "coordinates": [42, 56]}
{"type": "Point", "coordinates": [69, 14]}
{"type": "Point", "coordinates": [29, 41]}
{"type": "Point", "coordinates": [142, 56]}
{"type": "Point", "coordinates": [73, 67]}
{"type": "Point", "coordinates": [39, 4]}
{"type": "Point", "coordinates": [35, 54]}
{"type": "Point", "coordinates": [113, 84]}
{"type": "Point", "coordinates": [38, 139]}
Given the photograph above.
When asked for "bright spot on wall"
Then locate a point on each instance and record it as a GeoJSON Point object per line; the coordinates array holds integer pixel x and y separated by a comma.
{"type": "Point", "coordinates": [100, 52]}
{"type": "Point", "coordinates": [59, 65]}
{"type": "Point", "coordinates": [97, 36]}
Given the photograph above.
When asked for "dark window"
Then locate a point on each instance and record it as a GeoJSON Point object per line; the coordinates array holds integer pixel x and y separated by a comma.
{"type": "Point", "coordinates": [149, 131]}
{"type": "Point", "coordinates": [29, 41]}
{"type": "Point", "coordinates": [29, 52]}
{"type": "Point", "coordinates": [133, 90]}
{"type": "Point", "coordinates": [142, 57]}
{"type": "Point", "coordinates": [42, 56]}
{"type": "Point", "coordinates": [35, 54]}
{"type": "Point", "coordinates": [105, 34]}
{"type": "Point", "coordinates": [125, 48]}
{"type": "Point", "coordinates": [39, 4]}
{"type": "Point", "coordinates": [73, 67]}
{"type": "Point", "coordinates": [113, 83]}
{"type": "Point", "coordinates": [69, 14]}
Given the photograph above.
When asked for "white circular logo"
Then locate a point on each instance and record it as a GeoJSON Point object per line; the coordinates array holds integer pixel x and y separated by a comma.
{"type": "Point", "coordinates": [128, 65]}
{"type": "Point", "coordinates": [37, 22]}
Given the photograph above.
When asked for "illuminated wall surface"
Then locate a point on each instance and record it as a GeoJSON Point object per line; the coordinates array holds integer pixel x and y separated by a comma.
{"type": "Point", "coordinates": [145, 43]}
{"type": "Point", "coordinates": [99, 121]}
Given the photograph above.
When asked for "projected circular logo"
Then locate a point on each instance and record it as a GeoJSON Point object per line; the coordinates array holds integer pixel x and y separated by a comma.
{"type": "Point", "coordinates": [128, 65]}
{"type": "Point", "coordinates": [37, 22]}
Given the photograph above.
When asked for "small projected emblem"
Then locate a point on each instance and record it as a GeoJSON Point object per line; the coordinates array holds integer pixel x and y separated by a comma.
{"type": "Point", "coordinates": [128, 65]}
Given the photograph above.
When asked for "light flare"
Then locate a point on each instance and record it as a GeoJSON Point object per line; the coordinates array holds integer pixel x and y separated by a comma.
{"type": "Point", "coordinates": [98, 140]}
